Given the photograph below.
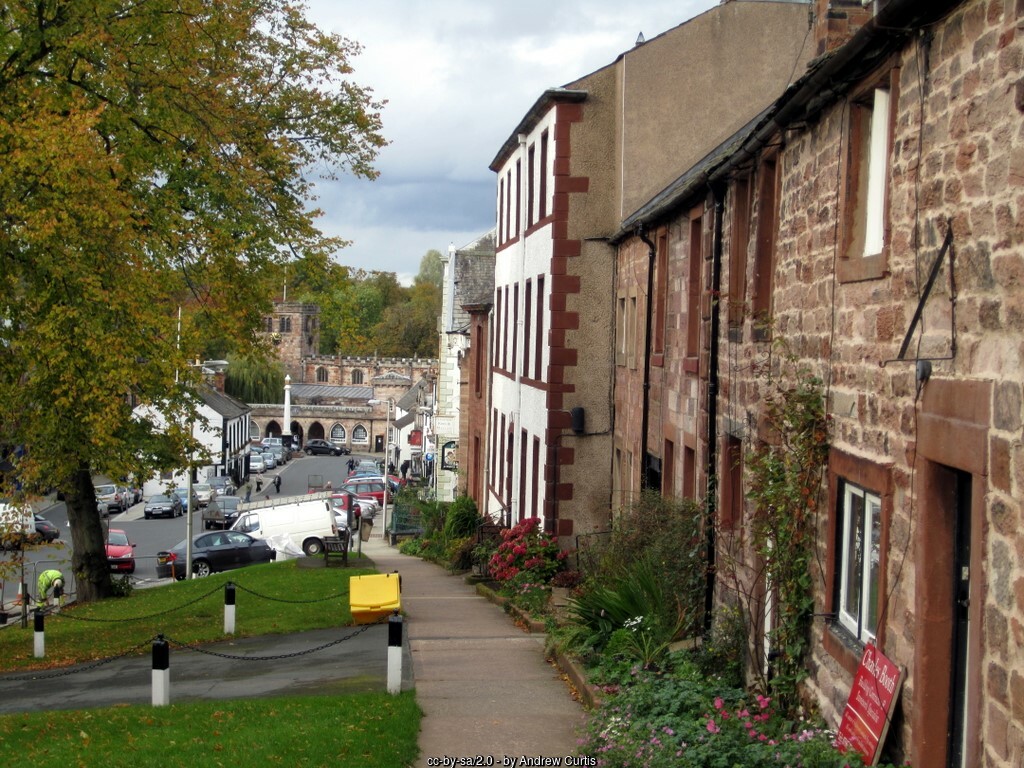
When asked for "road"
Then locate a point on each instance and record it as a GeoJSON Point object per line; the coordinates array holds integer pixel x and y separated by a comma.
{"type": "Point", "coordinates": [152, 536]}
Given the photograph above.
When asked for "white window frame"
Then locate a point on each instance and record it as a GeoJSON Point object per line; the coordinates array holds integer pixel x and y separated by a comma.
{"type": "Point", "coordinates": [858, 585]}
{"type": "Point", "coordinates": [338, 433]}
{"type": "Point", "coordinates": [878, 170]}
{"type": "Point", "coordinates": [360, 435]}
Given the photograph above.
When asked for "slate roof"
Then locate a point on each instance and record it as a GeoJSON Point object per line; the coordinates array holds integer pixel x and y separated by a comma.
{"type": "Point", "coordinates": [331, 392]}
{"type": "Point", "coordinates": [225, 405]}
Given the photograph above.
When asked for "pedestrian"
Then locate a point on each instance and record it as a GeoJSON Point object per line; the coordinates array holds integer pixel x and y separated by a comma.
{"type": "Point", "coordinates": [277, 483]}
{"type": "Point", "coordinates": [259, 483]}
{"type": "Point", "coordinates": [405, 470]}
{"type": "Point", "coordinates": [51, 579]}
{"type": "Point", "coordinates": [391, 467]}
{"type": "Point", "coordinates": [248, 490]}
{"type": "Point", "coordinates": [351, 465]}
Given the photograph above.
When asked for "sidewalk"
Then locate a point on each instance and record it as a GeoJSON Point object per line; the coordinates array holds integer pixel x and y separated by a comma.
{"type": "Point", "coordinates": [483, 684]}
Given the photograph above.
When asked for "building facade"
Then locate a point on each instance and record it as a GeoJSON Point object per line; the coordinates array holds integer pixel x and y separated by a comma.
{"type": "Point", "coordinates": [580, 161]}
{"type": "Point", "coordinates": [862, 239]}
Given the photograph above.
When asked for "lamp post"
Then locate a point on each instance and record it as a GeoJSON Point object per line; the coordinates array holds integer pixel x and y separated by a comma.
{"type": "Point", "coordinates": [387, 451]}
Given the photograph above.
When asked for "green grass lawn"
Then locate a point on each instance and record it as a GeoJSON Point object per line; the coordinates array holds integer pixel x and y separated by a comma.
{"type": "Point", "coordinates": [372, 730]}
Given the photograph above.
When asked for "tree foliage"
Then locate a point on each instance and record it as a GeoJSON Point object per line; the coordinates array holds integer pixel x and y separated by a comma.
{"type": "Point", "coordinates": [153, 162]}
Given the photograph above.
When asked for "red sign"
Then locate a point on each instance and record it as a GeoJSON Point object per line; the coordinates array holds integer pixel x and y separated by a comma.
{"type": "Point", "coordinates": [416, 437]}
{"type": "Point", "coordinates": [869, 709]}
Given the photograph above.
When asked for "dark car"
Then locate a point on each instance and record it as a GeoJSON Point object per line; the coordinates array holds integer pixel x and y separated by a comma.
{"type": "Point", "coordinates": [45, 530]}
{"type": "Point", "coordinates": [214, 551]}
{"type": "Point", "coordinates": [120, 552]}
{"type": "Point", "coordinates": [223, 485]}
{"type": "Point", "coordinates": [163, 505]}
{"type": "Point", "coordinates": [323, 448]}
{"type": "Point", "coordinates": [221, 512]}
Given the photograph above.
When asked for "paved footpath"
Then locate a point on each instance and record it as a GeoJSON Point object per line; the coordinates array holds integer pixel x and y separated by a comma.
{"type": "Point", "coordinates": [483, 684]}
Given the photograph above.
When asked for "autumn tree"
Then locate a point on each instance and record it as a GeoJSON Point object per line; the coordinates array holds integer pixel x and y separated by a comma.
{"type": "Point", "coordinates": [153, 159]}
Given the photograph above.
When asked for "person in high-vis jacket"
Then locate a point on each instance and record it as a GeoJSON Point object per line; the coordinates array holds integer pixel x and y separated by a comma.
{"type": "Point", "coordinates": [51, 579]}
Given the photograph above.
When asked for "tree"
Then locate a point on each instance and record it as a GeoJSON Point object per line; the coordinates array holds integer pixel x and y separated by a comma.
{"type": "Point", "coordinates": [153, 155]}
{"type": "Point", "coordinates": [431, 270]}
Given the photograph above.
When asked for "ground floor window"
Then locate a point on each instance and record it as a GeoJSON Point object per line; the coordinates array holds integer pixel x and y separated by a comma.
{"type": "Point", "coordinates": [360, 435]}
{"type": "Point", "coordinates": [338, 433]}
{"type": "Point", "coordinates": [857, 561]}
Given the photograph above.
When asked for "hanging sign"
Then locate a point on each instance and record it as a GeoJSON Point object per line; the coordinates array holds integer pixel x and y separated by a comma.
{"type": "Point", "coordinates": [869, 708]}
{"type": "Point", "coordinates": [448, 457]}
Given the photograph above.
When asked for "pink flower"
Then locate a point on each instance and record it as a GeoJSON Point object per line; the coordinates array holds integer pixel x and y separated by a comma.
{"type": "Point", "coordinates": [719, 703]}
{"type": "Point", "coordinates": [712, 726]}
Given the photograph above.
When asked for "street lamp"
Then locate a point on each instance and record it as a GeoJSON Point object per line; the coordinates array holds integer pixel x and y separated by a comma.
{"type": "Point", "coordinates": [387, 451]}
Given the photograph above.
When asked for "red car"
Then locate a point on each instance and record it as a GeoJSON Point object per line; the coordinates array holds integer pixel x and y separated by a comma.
{"type": "Point", "coordinates": [367, 486]}
{"type": "Point", "coordinates": [120, 552]}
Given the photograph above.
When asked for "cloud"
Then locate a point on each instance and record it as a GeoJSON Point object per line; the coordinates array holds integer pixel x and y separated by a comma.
{"type": "Point", "coordinates": [458, 76]}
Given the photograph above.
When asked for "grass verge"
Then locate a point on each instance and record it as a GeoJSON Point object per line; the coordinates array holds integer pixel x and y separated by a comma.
{"type": "Point", "coordinates": [276, 598]}
{"type": "Point", "coordinates": [369, 730]}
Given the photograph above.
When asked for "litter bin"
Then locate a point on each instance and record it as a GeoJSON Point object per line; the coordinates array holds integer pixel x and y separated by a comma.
{"type": "Point", "coordinates": [365, 527]}
{"type": "Point", "coordinates": [374, 597]}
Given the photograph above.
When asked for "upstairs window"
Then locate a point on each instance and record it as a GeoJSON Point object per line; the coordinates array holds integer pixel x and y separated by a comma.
{"type": "Point", "coordinates": [321, 375]}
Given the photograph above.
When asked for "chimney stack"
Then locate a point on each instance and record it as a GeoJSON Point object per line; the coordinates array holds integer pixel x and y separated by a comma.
{"type": "Point", "coordinates": [836, 21]}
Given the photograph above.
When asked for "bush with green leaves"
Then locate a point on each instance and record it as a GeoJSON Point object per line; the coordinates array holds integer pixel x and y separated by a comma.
{"type": "Point", "coordinates": [526, 548]}
{"type": "Point", "coordinates": [461, 519]}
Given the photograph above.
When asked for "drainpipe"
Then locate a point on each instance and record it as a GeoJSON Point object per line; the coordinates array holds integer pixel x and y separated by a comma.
{"type": "Point", "coordinates": [645, 461]}
{"type": "Point", "coordinates": [711, 496]}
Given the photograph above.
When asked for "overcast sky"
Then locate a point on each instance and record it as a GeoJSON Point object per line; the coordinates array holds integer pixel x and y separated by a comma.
{"type": "Point", "coordinates": [458, 76]}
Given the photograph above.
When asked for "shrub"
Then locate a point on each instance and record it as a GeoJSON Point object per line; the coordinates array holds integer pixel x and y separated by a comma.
{"type": "Point", "coordinates": [461, 519]}
{"type": "Point", "coordinates": [525, 548]}
{"type": "Point", "coordinates": [459, 553]}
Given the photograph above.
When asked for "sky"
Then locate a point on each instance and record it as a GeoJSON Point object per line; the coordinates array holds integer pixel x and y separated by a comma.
{"type": "Point", "coordinates": [458, 76]}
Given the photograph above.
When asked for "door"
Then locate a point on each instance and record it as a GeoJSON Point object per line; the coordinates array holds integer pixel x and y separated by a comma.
{"type": "Point", "coordinates": [378, 443]}
{"type": "Point", "coordinates": [961, 626]}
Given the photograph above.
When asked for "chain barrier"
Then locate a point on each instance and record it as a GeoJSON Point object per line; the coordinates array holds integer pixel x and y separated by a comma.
{"type": "Point", "coordinates": [61, 614]}
{"type": "Point", "coordinates": [285, 600]}
{"type": "Point", "coordinates": [76, 670]}
{"type": "Point", "coordinates": [276, 657]}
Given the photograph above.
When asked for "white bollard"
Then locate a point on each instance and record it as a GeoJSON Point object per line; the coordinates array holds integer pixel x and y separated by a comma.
{"type": "Point", "coordinates": [161, 672]}
{"type": "Point", "coordinates": [40, 635]}
{"type": "Point", "coordinates": [395, 653]}
{"type": "Point", "coordinates": [229, 609]}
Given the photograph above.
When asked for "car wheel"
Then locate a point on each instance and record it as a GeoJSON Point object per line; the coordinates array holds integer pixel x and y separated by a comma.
{"type": "Point", "coordinates": [147, 515]}
{"type": "Point", "coordinates": [312, 547]}
{"type": "Point", "coordinates": [131, 568]}
{"type": "Point", "coordinates": [201, 568]}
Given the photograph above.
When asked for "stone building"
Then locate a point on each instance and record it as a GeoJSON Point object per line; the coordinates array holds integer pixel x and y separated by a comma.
{"type": "Point", "coordinates": [864, 233]}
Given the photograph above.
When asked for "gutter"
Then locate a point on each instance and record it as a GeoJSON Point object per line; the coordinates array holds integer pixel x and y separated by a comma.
{"type": "Point", "coordinates": [645, 461]}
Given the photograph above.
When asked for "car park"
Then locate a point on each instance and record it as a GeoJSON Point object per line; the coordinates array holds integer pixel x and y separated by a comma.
{"type": "Point", "coordinates": [163, 505]}
{"type": "Point", "coordinates": [120, 552]}
{"type": "Point", "coordinates": [317, 447]}
{"type": "Point", "coordinates": [214, 551]}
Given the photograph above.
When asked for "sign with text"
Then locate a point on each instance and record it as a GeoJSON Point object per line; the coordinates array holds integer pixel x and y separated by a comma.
{"type": "Point", "coordinates": [869, 709]}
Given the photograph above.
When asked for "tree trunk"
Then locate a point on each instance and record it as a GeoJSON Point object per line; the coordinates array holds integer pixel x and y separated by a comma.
{"type": "Point", "coordinates": [89, 558]}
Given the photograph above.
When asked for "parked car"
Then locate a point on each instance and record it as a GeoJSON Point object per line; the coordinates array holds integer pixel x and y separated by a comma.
{"type": "Point", "coordinates": [182, 494]}
{"type": "Point", "coordinates": [256, 463]}
{"type": "Point", "coordinates": [120, 552]}
{"type": "Point", "coordinates": [163, 505]}
{"type": "Point", "coordinates": [367, 486]}
{"type": "Point", "coordinates": [221, 512]}
{"type": "Point", "coordinates": [214, 551]}
{"type": "Point", "coordinates": [112, 499]}
{"type": "Point", "coordinates": [276, 446]}
{"type": "Point", "coordinates": [322, 448]}
{"type": "Point", "coordinates": [204, 492]}
{"type": "Point", "coordinates": [223, 485]}
{"type": "Point", "coordinates": [45, 530]}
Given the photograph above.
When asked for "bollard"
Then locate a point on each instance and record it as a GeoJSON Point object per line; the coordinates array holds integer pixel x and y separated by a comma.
{"type": "Point", "coordinates": [40, 637]}
{"type": "Point", "coordinates": [395, 653]}
{"type": "Point", "coordinates": [161, 672]}
{"type": "Point", "coordinates": [229, 608]}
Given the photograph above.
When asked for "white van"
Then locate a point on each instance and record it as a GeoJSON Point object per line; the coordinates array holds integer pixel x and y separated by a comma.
{"type": "Point", "coordinates": [307, 520]}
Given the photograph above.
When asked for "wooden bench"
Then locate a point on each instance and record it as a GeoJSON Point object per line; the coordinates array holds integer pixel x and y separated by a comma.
{"type": "Point", "coordinates": [334, 546]}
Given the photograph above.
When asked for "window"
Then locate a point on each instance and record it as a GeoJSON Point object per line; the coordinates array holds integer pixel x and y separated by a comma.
{"type": "Point", "coordinates": [338, 433]}
{"type": "Point", "coordinates": [321, 375]}
{"type": "Point", "coordinates": [508, 206]}
{"type": "Point", "coordinates": [268, 324]}
{"type": "Point", "coordinates": [284, 325]}
{"type": "Point", "coordinates": [515, 328]}
{"type": "Point", "coordinates": [739, 240]}
{"type": "Point", "coordinates": [360, 435]}
{"type": "Point", "coordinates": [504, 329]}
{"type": "Point", "coordinates": [693, 282]}
{"type": "Point", "coordinates": [478, 360]}
{"type": "Point", "coordinates": [535, 510]}
{"type": "Point", "coordinates": [631, 331]}
{"type": "Point", "coordinates": [539, 330]}
{"type": "Point", "coordinates": [731, 511]}
{"type": "Point", "coordinates": [501, 211]}
{"type": "Point", "coordinates": [527, 327]}
{"type": "Point", "coordinates": [660, 296]}
{"type": "Point", "coordinates": [531, 171]}
{"type": "Point", "coordinates": [524, 444]}
{"type": "Point", "coordinates": [764, 252]}
{"type": "Point", "coordinates": [620, 330]}
{"type": "Point", "coordinates": [519, 195]}
{"type": "Point", "coordinates": [857, 561]}
{"type": "Point", "coordinates": [357, 377]}
{"type": "Point", "coordinates": [543, 176]}
{"type": "Point", "coordinates": [498, 330]}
